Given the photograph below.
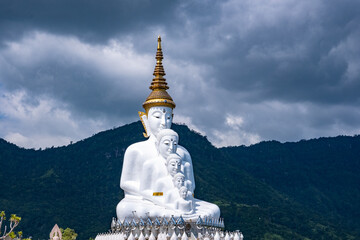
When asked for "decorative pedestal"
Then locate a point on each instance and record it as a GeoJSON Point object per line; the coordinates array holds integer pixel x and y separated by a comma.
{"type": "Point", "coordinates": [168, 229]}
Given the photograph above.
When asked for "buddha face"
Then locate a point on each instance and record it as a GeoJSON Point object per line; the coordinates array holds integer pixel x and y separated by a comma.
{"type": "Point", "coordinates": [179, 181]}
{"type": "Point", "coordinates": [183, 192]}
{"type": "Point", "coordinates": [173, 166]}
{"type": "Point", "coordinates": [167, 145]}
{"type": "Point", "coordinates": [159, 118]}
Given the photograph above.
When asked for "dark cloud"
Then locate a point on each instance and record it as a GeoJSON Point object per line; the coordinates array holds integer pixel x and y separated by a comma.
{"type": "Point", "coordinates": [73, 73]}
{"type": "Point", "coordinates": [239, 71]}
{"type": "Point", "coordinates": [90, 20]}
{"type": "Point", "coordinates": [300, 58]}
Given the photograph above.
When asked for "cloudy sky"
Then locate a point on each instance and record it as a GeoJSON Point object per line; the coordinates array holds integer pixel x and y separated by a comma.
{"type": "Point", "coordinates": [239, 71]}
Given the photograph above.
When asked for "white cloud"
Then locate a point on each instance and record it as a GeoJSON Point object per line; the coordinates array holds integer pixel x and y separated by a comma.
{"type": "Point", "coordinates": [234, 138]}
{"type": "Point", "coordinates": [234, 122]}
{"type": "Point", "coordinates": [41, 122]}
{"type": "Point", "coordinates": [114, 59]}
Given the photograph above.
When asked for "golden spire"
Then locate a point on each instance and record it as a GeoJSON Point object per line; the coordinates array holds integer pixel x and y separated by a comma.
{"type": "Point", "coordinates": [159, 81]}
{"type": "Point", "coordinates": [159, 96]}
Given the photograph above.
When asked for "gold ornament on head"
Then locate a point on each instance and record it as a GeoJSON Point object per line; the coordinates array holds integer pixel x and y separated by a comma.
{"type": "Point", "coordinates": [159, 96]}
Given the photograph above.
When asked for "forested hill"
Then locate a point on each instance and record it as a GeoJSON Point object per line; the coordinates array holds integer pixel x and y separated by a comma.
{"type": "Point", "coordinates": [271, 190]}
{"type": "Point", "coordinates": [322, 174]}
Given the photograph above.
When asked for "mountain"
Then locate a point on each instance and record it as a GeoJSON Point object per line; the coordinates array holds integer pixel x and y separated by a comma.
{"type": "Point", "coordinates": [271, 190]}
{"type": "Point", "coordinates": [322, 174]}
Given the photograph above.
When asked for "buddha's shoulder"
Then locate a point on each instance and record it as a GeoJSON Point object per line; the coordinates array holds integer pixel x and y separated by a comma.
{"type": "Point", "coordinates": [138, 144]}
{"type": "Point", "coordinates": [182, 151]}
{"type": "Point", "coordinates": [139, 147]}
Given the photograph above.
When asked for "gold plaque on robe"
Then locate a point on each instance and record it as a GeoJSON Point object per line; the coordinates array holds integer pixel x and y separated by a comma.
{"type": "Point", "coordinates": [158, 193]}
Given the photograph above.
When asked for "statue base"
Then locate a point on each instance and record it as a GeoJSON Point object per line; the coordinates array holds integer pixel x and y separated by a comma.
{"type": "Point", "coordinates": [169, 229]}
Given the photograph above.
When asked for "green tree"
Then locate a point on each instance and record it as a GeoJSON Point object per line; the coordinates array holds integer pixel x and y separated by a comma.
{"type": "Point", "coordinates": [14, 221]}
{"type": "Point", "coordinates": [68, 234]}
{"type": "Point", "coordinates": [272, 236]}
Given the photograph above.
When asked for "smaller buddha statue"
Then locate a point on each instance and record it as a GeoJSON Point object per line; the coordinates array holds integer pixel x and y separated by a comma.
{"type": "Point", "coordinates": [173, 195]}
{"type": "Point", "coordinates": [184, 204]}
{"type": "Point", "coordinates": [154, 179]}
{"type": "Point", "coordinates": [165, 185]}
{"type": "Point", "coordinates": [179, 180]}
{"type": "Point", "coordinates": [173, 164]}
{"type": "Point", "coordinates": [167, 142]}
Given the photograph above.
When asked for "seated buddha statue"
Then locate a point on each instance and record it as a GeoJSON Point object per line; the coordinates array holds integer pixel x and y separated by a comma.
{"type": "Point", "coordinates": [136, 180]}
{"type": "Point", "coordinates": [183, 203]}
{"type": "Point", "coordinates": [157, 172]}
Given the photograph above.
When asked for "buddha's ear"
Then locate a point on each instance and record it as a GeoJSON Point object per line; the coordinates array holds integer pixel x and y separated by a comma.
{"type": "Point", "coordinates": [145, 123]}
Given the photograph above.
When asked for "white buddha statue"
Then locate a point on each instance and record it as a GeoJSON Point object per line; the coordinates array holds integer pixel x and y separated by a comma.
{"type": "Point", "coordinates": [164, 182]}
{"type": "Point", "coordinates": [172, 195]}
{"type": "Point", "coordinates": [184, 204]}
{"type": "Point", "coordinates": [145, 155]}
{"type": "Point", "coordinates": [156, 177]}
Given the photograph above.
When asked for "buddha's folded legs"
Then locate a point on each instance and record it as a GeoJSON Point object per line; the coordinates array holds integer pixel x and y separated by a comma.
{"type": "Point", "coordinates": [141, 208]}
{"type": "Point", "coordinates": [127, 207]}
{"type": "Point", "coordinates": [204, 208]}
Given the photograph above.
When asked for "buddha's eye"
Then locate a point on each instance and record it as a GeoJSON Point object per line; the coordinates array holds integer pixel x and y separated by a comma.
{"type": "Point", "coordinates": [157, 115]}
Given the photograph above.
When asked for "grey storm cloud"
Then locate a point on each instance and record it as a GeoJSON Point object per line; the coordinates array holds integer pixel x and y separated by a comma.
{"type": "Point", "coordinates": [69, 71]}
{"type": "Point", "coordinates": [88, 19]}
{"type": "Point", "coordinates": [239, 71]}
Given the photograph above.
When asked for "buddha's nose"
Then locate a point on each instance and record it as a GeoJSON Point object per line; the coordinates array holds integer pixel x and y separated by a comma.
{"type": "Point", "coordinates": [163, 121]}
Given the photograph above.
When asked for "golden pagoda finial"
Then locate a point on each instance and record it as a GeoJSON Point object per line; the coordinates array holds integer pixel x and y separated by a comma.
{"type": "Point", "coordinates": [159, 81]}
{"type": "Point", "coordinates": [159, 42]}
{"type": "Point", "coordinates": [159, 96]}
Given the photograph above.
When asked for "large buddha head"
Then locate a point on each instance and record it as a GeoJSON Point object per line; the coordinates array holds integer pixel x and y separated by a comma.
{"type": "Point", "coordinates": [159, 104]}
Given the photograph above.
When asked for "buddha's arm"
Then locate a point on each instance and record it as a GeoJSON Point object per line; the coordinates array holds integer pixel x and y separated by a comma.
{"type": "Point", "coordinates": [147, 180]}
{"type": "Point", "coordinates": [171, 198]}
{"type": "Point", "coordinates": [188, 166]}
{"type": "Point", "coordinates": [129, 181]}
